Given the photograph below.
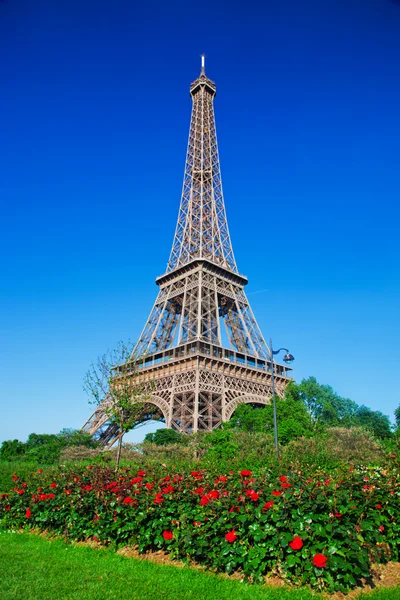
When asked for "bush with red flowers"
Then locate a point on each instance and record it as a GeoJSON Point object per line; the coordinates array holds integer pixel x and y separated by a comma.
{"type": "Point", "coordinates": [316, 528]}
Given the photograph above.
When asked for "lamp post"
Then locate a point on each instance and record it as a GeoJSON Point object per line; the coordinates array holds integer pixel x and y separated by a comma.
{"type": "Point", "coordinates": [288, 358]}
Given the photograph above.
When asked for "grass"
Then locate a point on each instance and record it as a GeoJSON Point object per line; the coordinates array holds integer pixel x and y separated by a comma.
{"type": "Point", "coordinates": [35, 568]}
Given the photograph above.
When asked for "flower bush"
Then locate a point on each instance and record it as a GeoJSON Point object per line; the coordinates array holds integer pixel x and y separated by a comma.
{"type": "Point", "coordinates": [316, 528]}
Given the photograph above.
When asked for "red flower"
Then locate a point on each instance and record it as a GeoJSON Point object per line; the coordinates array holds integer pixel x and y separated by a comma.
{"type": "Point", "coordinates": [149, 486]}
{"type": "Point", "coordinates": [141, 473]}
{"type": "Point", "coordinates": [53, 485]}
{"type": "Point", "coordinates": [87, 488]}
{"type": "Point", "coordinates": [285, 486]}
{"type": "Point", "coordinates": [168, 489]}
{"type": "Point", "coordinates": [319, 561]}
{"type": "Point", "coordinates": [276, 493]}
{"type": "Point", "coordinates": [221, 478]}
{"type": "Point", "coordinates": [204, 501]}
{"type": "Point", "coordinates": [338, 515]}
{"type": "Point", "coordinates": [327, 481]}
{"type": "Point", "coordinates": [254, 496]}
{"type": "Point", "coordinates": [40, 471]}
{"type": "Point", "coordinates": [231, 536]}
{"type": "Point", "coordinates": [28, 513]}
{"type": "Point", "coordinates": [283, 478]}
{"type": "Point", "coordinates": [168, 535]}
{"type": "Point", "coordinates": [15, 478]}
{"type": "Point", "coordinates": [8, 507]}
{"type": "Point", "coordinates": [197, 523]}
{"type": "Point", "coordinates": [68, 492]}
{"type": "Point", "coordinates": [234, 509]}
{"type": "Point", "coordinates": [128, 500]}
{"type": "Point", "coordinates": [158, 499]}
{"type": "Point", "coordinates": [296, 543]}
{"type": "Point", "coordinates": [89, 467]}
{"type": "Point", "coordinates": [245, 473]}
{"type": "Point", "coordinates": [381, 528]}
{"type": "Point", "coordinates": [378, 506]}
{"type": "Point", "coordinates": [199, 491]}
{"type": "Point", "coordinates": [136, 480]}
{"type": "Point", "coordinates": [268, 505]}
{"type": "Point", "coordinates": [213, 494]}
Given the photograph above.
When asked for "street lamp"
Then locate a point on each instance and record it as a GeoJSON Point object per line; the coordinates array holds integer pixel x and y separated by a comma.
{"type": "Point", "coordinates": [288, 358]}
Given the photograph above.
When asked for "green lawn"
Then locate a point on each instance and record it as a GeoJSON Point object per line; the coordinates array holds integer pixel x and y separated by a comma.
{"type": "Point", "coordinates": [35, 568]}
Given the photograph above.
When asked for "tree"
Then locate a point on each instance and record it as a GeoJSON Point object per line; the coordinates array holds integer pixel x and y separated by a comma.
{"type": "Point", "coordinates": [112, 383]}
{"type": "Point", "coordinates": [324, 406]}
{"type": "Point", "coordinates": [12, 450]}
{"type": "Point", "coordinates": [293, 420]}
{"type": "Point", "coordinates": [163, 437]}
{"type": "Point", "coordinates": [45, 448]}
{"type": "Point", "coordinates": [397, 419]}
{"type": "Point", "coordinates": [373, 420]}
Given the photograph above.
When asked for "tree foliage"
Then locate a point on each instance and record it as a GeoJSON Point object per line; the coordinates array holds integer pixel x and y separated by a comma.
{"type": "Point", "coordinates": [307, 408]}
{"type": "Point", "coordinates": [112, 383]}
{"type": "Point", "coordinates": [164, 437]}
{"type": "Point", "coordinates": [45, 448]}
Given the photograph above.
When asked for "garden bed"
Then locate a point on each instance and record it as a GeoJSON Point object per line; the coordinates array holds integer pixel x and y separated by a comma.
{"type": "Point", "coordinates": [324, 530]}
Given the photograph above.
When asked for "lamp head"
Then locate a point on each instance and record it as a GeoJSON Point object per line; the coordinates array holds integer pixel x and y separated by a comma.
{"type": "Point", "coordinates": [288, 358]}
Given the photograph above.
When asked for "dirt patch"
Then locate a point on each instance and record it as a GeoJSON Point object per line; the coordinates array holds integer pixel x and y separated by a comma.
{"type": "Point", "coordinates": [159, 556]}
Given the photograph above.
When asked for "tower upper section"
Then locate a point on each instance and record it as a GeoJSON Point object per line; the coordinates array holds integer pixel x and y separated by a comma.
{"type": "Point", "coordinates": [202, 229]}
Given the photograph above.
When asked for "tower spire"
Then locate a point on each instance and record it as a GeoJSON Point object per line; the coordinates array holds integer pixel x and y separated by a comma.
{"type": "Point", "coordinates": [203, 64]}
{"type": "Point", "coordinates": [202, 229]}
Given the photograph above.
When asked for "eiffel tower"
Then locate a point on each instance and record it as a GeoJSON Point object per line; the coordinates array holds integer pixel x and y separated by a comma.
{"type": "Point", "coordinates": [196, 382]}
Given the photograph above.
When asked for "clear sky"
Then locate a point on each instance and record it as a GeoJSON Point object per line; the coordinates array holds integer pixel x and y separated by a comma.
{"type": "Point", "coordinates": [94, 118]}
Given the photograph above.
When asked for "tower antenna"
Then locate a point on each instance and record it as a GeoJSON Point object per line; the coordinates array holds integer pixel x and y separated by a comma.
{"type": "Point", "coordinates": [203, 64]}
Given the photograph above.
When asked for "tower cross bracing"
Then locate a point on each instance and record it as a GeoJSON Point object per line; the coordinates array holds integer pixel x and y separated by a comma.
{"type": "Point", "coordinates": [194, 381]}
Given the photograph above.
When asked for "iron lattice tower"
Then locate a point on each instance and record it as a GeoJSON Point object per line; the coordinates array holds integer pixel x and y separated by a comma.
{"type": "Point", "coordinates": [195, 382]}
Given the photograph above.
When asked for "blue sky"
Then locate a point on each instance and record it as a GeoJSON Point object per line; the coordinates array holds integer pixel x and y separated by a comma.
{"type": "Point", "coordinates": [94, 117]}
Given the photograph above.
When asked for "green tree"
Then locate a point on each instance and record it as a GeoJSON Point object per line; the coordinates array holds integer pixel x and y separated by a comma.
{"type": "Point", "coordinates": [74, 437]}
{"type": "Point", "coordinates": [12, 450]}
{"type": "Point", "coordinates": [164, 437]}
{"type": "Point", "coordinates": [373, 420]}
{"type": "Point", "coordinates": [112, 383]}
{"type": "Point", "coordinates": [292, 417]}
{"type": "Point", "coordinates": [397, 419]}
{"type": "Point", "coordinates": [324, 406]}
